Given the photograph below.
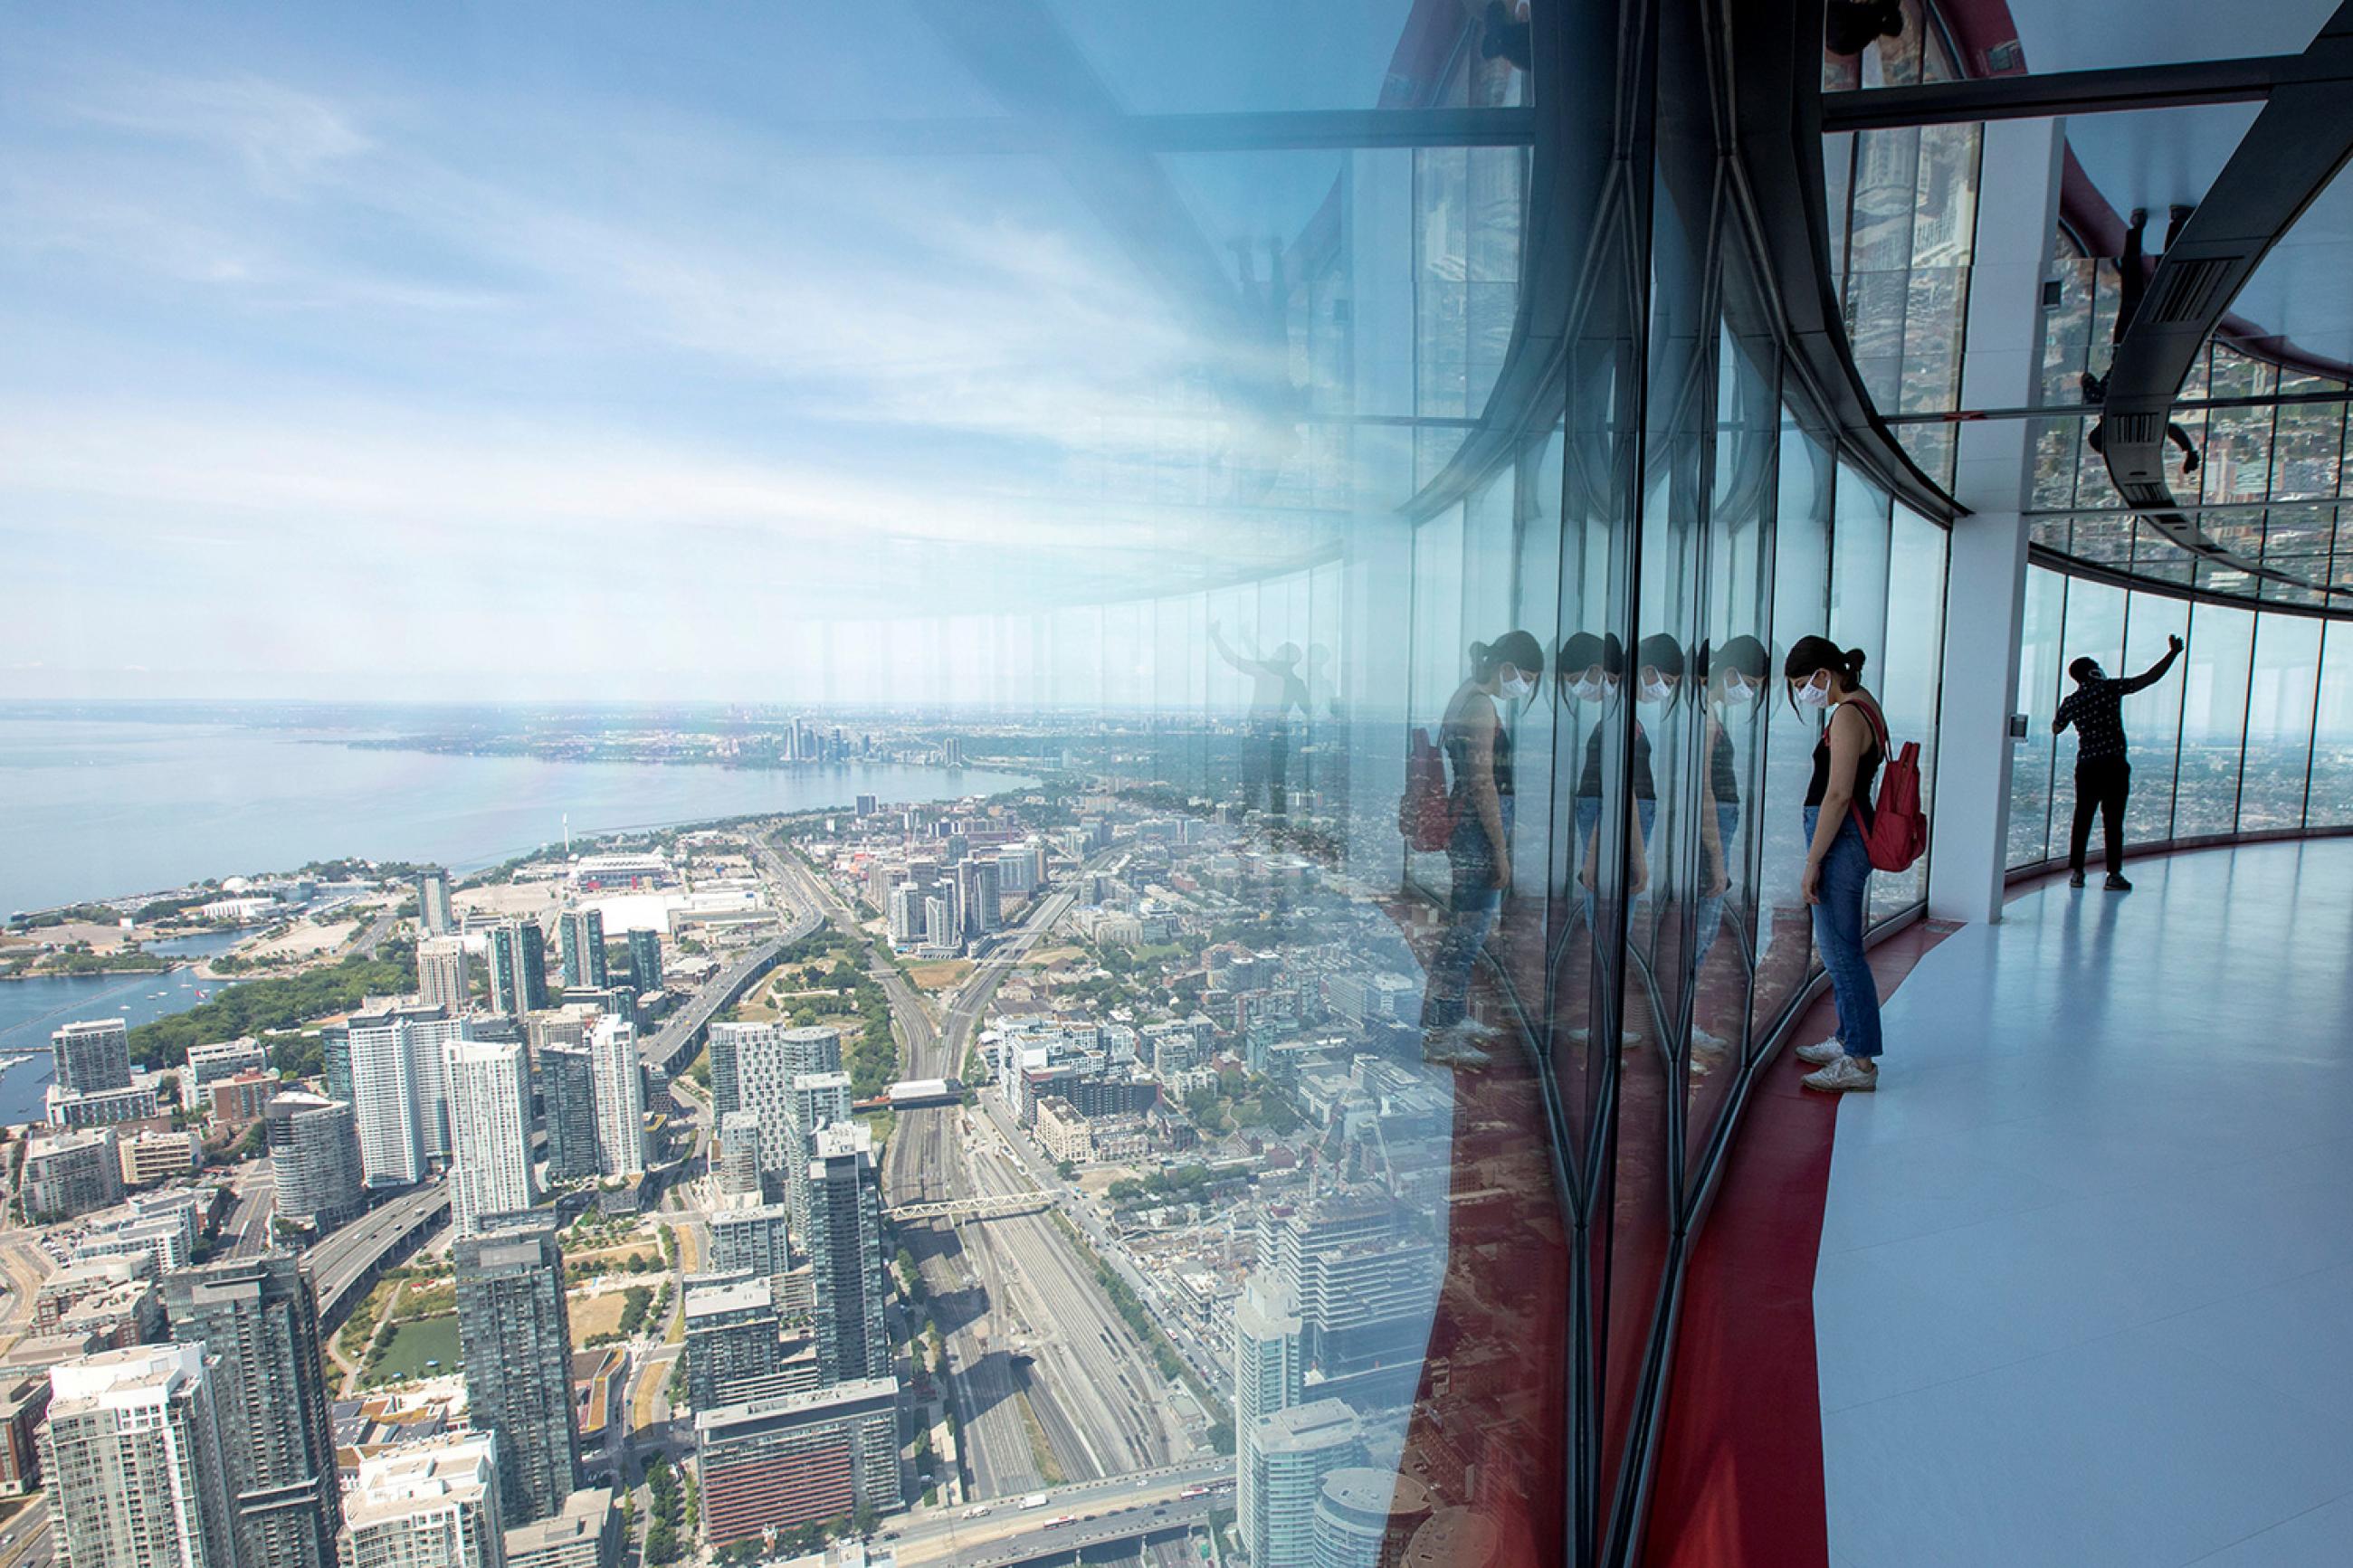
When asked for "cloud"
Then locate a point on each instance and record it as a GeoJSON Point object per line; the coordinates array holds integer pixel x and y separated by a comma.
{"type": "Point", "coordinates": [285, 139]}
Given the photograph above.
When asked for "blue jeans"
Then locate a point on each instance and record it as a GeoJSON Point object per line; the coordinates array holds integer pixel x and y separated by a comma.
{"type": "Point", "coordinates": [1588, 822]}
{"type": "Point", "coordinates": [1838, 935]}
{"type": "Point", "coordinates": [1473, 903]}
{"type": "Point", "coordinates": [1711, 909]}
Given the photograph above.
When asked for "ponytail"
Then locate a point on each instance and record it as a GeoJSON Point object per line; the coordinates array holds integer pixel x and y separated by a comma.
{"type": "Point", "coordinates": [1811, 654]}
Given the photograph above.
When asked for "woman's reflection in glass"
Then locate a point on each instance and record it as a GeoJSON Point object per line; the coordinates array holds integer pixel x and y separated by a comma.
{"type": "Point", "coordinates": [1477, 744]}
{"type": "Point", "coordinates": [1734, 677]}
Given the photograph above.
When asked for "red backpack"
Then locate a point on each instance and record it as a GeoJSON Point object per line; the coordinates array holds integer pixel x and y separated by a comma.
{"type": "Point", "coordinates": [1897, 833]}
{"type": "Point", "coordinates": [1425, 814]}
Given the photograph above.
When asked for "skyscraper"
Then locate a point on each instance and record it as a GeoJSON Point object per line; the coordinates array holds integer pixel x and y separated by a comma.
{"type": "Point", "coordinates": [441, 977]}
{"type": "Point", "coordinates": [259, 1318]}
{"type": "Point", "coordinates": [644, 960]}
{"type": "Point", "coordinates": [130, 1455]}
{"type": "Point", "coordinates": [819, 1100]}
{"type": "Point", "coordinates": [516, 1338]}
{"type": "Point", "coordinates": [725, 1043]}
{"type": "Point", "coordinates": [1293, 1450]}
{"type": "Point", "coordinates": [977, 900]}
{"type": "Point", "coordinates": [1269, 1373]}
{"type": "Point", "coordinates": [435, 1504]}
{"type": "Point", "coordinates": [433, 911]}
{"type": "Point", "coordinates": [906, 915]}
{"type": "Point", "coordinates": [567, 1088]}
{"type": "Point", "coordinates": [768, 1058]}
{"type": "Point", "coordinates": [620, 1099]}
{"type": "Point", "coordinates": [489, 1107]}
{"type": "Point", "coordinates": [845, 1247]}
{"type": "Point", "coordinates": [581, 936]}
{"type": "Point", "coordinates": [736, 1155]}
{"type": "Point", "coordinates": [383, 1102]}
{"type": "Point", "coordinates": [92, 1054]}
{"type": "Point", "coordinates": [518, 968]}
{"type": "Point", "coordinates": [315, 1158]}
{"type": "Point", "coordinates": [732, 1348]}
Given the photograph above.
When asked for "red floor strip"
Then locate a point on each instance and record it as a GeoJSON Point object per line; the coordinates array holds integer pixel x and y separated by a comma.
{"type": "Point", "coordinates": [1739, 1476]}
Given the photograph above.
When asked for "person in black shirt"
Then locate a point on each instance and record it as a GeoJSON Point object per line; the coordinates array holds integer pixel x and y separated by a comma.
{"type": "Point", "coordinates": [2103, 776]}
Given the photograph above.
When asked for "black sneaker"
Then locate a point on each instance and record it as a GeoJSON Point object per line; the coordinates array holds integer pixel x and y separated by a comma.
{"type": "Point", "coordinates": [2075, 879]}
{"type": "Point", "coordinates": [2116, 884]}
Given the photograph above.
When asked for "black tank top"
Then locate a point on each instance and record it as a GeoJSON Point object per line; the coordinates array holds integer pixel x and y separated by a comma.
{"type": "Point", "coordinates": [1866, 768]}
{"type": "Point", "coordinates": [1458, 755]}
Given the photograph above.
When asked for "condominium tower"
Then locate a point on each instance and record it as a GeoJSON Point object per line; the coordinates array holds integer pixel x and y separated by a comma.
{"type": "Point", "coordinates": [259, 1317]}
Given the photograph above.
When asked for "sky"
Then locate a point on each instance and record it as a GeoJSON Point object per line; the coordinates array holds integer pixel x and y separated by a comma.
{"type": "Point", "coordinates": [589, 350]}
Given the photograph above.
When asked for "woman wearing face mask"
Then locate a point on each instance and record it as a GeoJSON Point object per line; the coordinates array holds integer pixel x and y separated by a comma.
{"type": "Point", "coordinates": [1838, 865]}
{"type": "Point", "coordinates": [1478, 749]}
{"type": "Point", "coordinates": [1735, 676]}
{"type": "Point", "coordinates": [1592, 668]}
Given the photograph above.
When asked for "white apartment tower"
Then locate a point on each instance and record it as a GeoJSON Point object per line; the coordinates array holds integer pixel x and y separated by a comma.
{"type": "Point", "coordinates": [442, 980]}
{"type": "Point", "coordinates": [490, 1105]}
{"type": "Point", "coordinates": [131, 1458]}
{"type": "Point", "coordinates": [619, 1094]}
{"type": "Point", "coordinates": [1270, 1375]}
{"type": "Point", "coordinates": [427, 1505]}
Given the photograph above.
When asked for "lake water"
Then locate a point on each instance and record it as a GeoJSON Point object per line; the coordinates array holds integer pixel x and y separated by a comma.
{"type": "Point", "coordinates": [94, 808]}
{"type": "Point", "coordinates": [97, 808]}
{"type": "Point", "coordinates": [31, 1009]}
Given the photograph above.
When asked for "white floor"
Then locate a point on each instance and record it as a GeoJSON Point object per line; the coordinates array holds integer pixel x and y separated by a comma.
{"type": "Point", "coordinates": [2086, 1292]}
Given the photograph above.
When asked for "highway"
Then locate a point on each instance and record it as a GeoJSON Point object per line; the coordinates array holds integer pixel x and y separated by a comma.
{"type": "Point", "coordinates": [345, 1263]}
{"type": "Point", "coordinates": [1009, 1287]}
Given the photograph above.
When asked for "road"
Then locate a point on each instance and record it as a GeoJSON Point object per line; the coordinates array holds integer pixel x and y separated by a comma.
{"type": "Point", "coordinates": [24, 1540]}
{"type": "Point", "coordinates": [26, 1265]}
{"type": "Point", "coordinates": [347, 1256]}
{"type": "Point", "coordinates": [1101, 1510]}
{"type": "Point", "coordinates": [248, 1230]}
{"type": "Point", "coordinates": [1007, 1289]}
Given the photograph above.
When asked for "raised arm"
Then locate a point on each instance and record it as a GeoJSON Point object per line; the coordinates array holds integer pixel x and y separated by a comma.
{"type": "Point", "coordinates": [1226, 651]}
{"type": "Point", "coordinates": [2155, 673]}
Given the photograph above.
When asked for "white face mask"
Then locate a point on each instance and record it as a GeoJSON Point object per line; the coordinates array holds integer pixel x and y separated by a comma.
{"type": "Point", "coordinates": [1658, 690]}
{"type": "Point", "coordinates": [1812, 696]}
{"type": "Point", "coordinates": [1519, 688]}
{"type": "Point", "coordinates": [1588, 690]}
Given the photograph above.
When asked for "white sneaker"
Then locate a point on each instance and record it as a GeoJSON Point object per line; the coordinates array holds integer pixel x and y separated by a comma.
{"type": "Point", "coordinates": [1848, 1075]}
{"type": "Point", "coordinates": [1471, 1028]}
{"type": "Point", "coordinates": [1706, 1043]}
{"type": "Point", "coordinates": [1821, 1053]}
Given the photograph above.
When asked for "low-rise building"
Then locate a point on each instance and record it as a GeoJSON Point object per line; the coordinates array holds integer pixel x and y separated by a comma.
{"type": "Point", "coordinates": [68, 1173]}
{"type": "Point", "coordinates": [242, 1098]}
{"type": "Point", "coordinates": [586, 1535]}
{"type": "Point", "coordinates": [80, 1281]}
{"type": "Point", "coordinates": [209, 1065]}
{"type": "Point", "coordinates": [23, 1402]}
{"type": "Point", "coordinates": [153, 1155]}
{"type": "Point", "coordinates": [101, 1107]}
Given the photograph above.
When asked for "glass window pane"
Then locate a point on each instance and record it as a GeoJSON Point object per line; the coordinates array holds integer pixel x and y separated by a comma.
{"type": "Point", "coordinates": [2213, 720]}
{"type": "Point", "coordinates": [2332, 751]}
{"type": "Point", "coordinates": [1907, 685]}
{"type": "Point", "coordinates": [1805, 489]}
{"type": "Point", "coordinates": [2040, 668]}
{"type": "Point", "coordinates": [2279, 721]}
{"type": "Point", "coordinates": [2153, 716]}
